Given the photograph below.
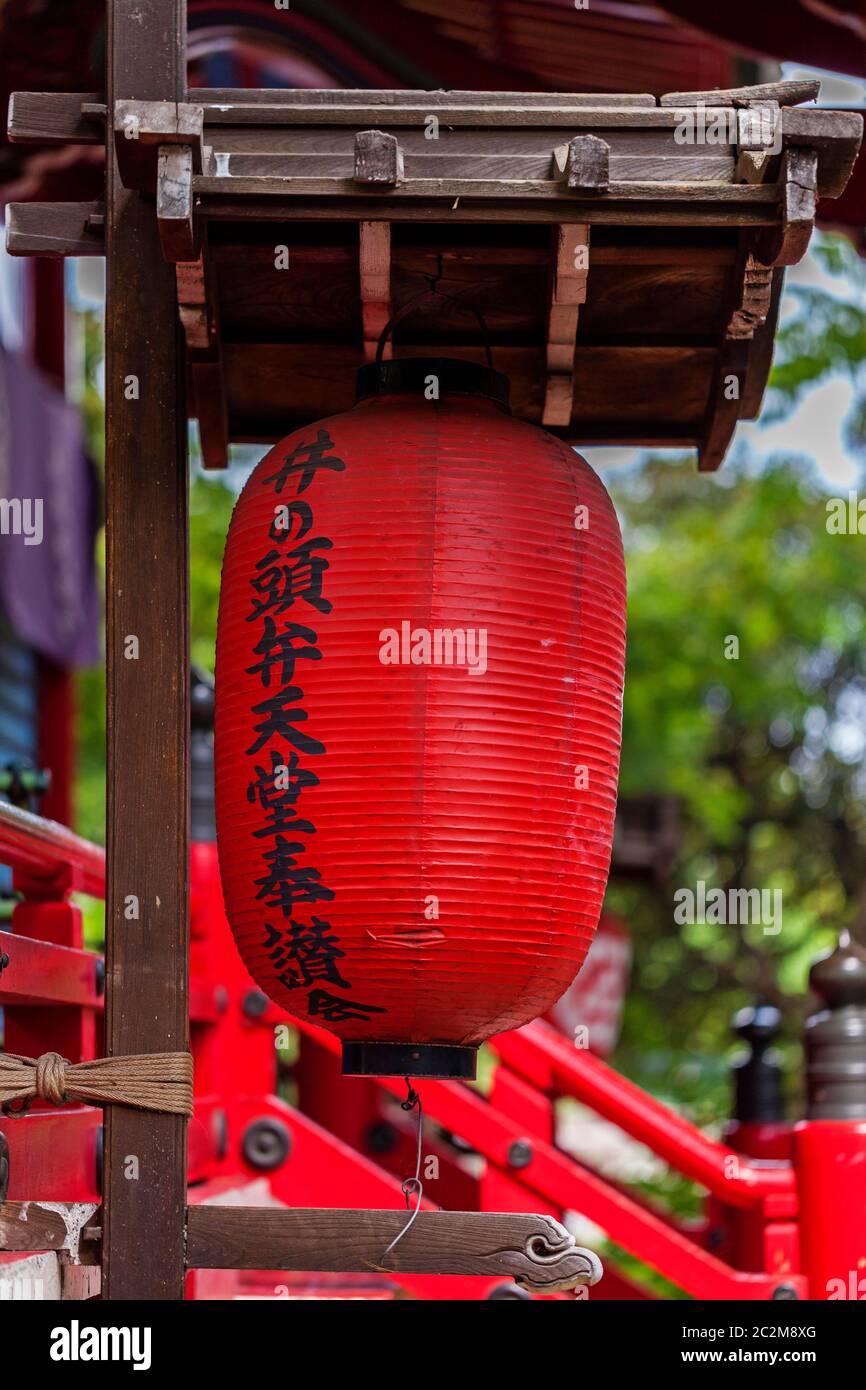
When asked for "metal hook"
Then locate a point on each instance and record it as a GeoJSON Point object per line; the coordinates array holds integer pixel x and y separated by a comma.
{"type": "Point", "coordinates": [409, 1185]}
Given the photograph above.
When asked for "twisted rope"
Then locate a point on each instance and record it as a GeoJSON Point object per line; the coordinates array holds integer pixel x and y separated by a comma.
{"type": "Point", "coordinates": [151, 1081]}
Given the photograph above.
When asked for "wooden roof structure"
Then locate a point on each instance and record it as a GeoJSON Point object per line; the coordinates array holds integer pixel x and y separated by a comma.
{"type": "Point", "coordinates": [625, 252]}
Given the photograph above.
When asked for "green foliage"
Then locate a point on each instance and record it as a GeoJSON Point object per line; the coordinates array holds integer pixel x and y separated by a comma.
{"type": "Point", "coordinates": [764, 752]}
{"type": "Point", "coordinates": [826, 336]}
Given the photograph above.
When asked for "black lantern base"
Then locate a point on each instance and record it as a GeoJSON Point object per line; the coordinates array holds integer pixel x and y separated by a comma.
{"type": "Point", "coordinates": [440, 1060]}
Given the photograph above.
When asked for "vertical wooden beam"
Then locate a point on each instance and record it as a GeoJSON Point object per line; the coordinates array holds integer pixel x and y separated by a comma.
{"type": "Point", "coordinates": [147, 658]}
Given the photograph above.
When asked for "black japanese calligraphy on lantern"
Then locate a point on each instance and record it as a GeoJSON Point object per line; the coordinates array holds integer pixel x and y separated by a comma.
{"type": "Point", "coordinates": [282, 578]}
{"type": "Point", "coordinates": [278, 651]}
{"type": "Point", "coordinates": [305, 955]}
{"type": "Point", "coordinates": [304, 462]}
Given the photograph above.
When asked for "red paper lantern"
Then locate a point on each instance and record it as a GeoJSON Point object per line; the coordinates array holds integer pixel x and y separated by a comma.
{"type": "Point", "coordinates": [418, 707]}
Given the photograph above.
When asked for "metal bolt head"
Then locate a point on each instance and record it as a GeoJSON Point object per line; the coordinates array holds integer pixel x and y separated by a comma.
{"type": "Point", "coordinates": [255, 1003]}
{"type": "Point", "coordinates": [785, 1293]}
{"type": "Point", "coordinates": [520, 1154]}
{"type": "Point", "coordinates": [266, 1144]}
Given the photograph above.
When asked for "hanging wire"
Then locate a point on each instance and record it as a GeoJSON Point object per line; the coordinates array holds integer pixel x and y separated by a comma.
{"type": "Point", "coordinates": [410, 1185]}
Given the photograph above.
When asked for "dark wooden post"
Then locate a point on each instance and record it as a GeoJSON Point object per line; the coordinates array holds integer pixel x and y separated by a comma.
{"type": "Point", "coordinates": [147, 657]}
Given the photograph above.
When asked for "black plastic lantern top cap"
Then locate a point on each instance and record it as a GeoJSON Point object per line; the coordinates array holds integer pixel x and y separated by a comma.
{"type": "Point", "coordinates": [411, 375]}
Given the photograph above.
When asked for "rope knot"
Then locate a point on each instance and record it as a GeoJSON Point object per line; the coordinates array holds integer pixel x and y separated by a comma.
{"type": "Point", "coordinates": [51, 1077]}
{"type": "Point", "coordinates": [159, 1081]}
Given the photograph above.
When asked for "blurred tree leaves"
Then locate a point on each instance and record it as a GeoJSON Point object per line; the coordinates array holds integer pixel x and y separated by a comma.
{"type": "Point", "coordinates": [764, 752]}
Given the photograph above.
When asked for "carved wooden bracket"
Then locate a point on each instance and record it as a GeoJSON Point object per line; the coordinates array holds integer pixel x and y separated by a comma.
{"type": "Point", "coordinates": [537, 1251]}
{"type": "Point", "coordinates": [757, 289]}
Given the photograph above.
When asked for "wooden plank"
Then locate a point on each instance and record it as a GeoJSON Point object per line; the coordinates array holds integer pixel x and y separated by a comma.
{"type": "Point", "coordinates": [48, 1226]}
{"type": "Point", "coordinates": [55, 229]}
{"type": "Point", "coordinates": [274, 185]}
{"type": "Point", "coordinates": [785, 93]}
{"type": "Point", "coordinates": [677, 252]}
{"type": "Point", "coordinates": [147, 957]}
{"type": "Point", "coordinates": [53, 118]}
{"type": "Point", "coordinates": [675, 168]}
{"type": "Point", "coordinates": [679, 211]}
{"type": "Point", "coordinates": [489, 141]}
{"type": "Point", "coordinates": [535, 1250]}
{"type": "Point", "coordinates": [821, 130]}
{"type": "Point", "coordinates": [273, 384]}
{"type": "Point", "coordinates": [634, 434]}
{"type": "Point", "coordinates": [603, 115]}
{"type": "Point", "coordinates": [362, 96]}
{"type": "Point", "coordinates": [374, 253]}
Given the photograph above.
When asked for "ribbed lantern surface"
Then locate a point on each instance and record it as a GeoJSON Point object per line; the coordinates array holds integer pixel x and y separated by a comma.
{"type": "Point", "coordinates": [419, 681]}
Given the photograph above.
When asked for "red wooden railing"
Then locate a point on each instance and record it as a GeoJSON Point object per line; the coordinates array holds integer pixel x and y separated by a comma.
{"type": "Point", "coordinates": [346, 1142]}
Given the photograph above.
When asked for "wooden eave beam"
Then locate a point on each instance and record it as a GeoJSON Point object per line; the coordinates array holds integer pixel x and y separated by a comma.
{"type": "Point", "coordinates": [61, 118]}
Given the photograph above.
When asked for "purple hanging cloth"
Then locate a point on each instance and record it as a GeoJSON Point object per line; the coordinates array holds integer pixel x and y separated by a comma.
{"type": "Point", "coordinates": [48, 519]}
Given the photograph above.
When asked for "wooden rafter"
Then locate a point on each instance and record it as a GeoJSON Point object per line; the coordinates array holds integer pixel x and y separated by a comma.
{"type": "Point", "coordinates": [374, 254]}
{"type": "Point", "coordinates": [567, 294]}
{"type": "Point", "coordinates": [198, 306]}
